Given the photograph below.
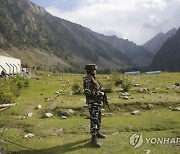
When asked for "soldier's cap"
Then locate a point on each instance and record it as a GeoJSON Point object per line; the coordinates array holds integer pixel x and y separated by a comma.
{"type": "Point", "coordinates": [89, 67]}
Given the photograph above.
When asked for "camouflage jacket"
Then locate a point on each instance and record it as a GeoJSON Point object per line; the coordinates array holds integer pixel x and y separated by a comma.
{"type": "Point", "coordinates": [92, 88]}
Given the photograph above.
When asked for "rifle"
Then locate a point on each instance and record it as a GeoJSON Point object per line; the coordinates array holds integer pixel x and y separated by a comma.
{"type": "Point", "coordinates": [105, 101]}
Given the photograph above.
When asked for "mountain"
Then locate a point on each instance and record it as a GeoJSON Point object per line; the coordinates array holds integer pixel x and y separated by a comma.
{"type": "Point", "coordinates": [168, 58]}
{"type": "Point", "coordinates": [155, 44]}
{"type": "Point", "coordinates": [138, 54]}
{"type": "Point", "coordinates": [30, 33]}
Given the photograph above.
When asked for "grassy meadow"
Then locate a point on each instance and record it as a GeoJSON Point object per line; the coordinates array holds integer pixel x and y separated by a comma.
{"type": "Point", "coordinates": [55, 135]}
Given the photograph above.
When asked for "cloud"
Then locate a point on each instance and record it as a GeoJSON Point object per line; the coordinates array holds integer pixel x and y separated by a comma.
{"type": "Point", "coordinates": [137, 20]}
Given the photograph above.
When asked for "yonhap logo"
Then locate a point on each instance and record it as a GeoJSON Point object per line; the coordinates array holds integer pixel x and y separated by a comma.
{"type": "Point", "coordinates": [136, 140]}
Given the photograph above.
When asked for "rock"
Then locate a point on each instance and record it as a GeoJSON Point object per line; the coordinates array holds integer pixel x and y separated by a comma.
{"type": "Point", "coordinates": [143, 90]}
{"type": "Point", "coordinates": [30, 135]}
{"type": "Point", "coordinates": [29, 115]}
{"type": "Point", "coordinates": [22, 117]}
{"type": "Point", "coordinates": [48, 115]}
{"type": "Point", "coordinates": [135, 112]}
{"type": "Point", "coordinates": [176, 109]}
{"type": "Point", "coordinates": [63, 117]}
{"type": "Point", "coordinates": [125, 114]}
{"type": "Point", "coordinates": [39, 107]}
{"type": "Point", "coordinates": [170, 108]}
{"type": "Point", "coordinates": [136, 85]}
{"type": "Point", "coordinates": [110, 114]}
{"type": "Point", "coordinates": [47, 98]}
{"type": "Point", "coordinates": [67, 112]}
{"type": "Point", "coordinates": [125, 97]}
{"type": "Point", "coordinates": [149, 106]}
{"type": "Point", "coordinates": [57, 92]}
{"type": "Point", "coordinates": [125, 94]}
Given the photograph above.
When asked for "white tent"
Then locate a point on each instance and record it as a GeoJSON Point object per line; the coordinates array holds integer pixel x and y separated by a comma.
{"type": "Point", "coordinates": [10, 65]}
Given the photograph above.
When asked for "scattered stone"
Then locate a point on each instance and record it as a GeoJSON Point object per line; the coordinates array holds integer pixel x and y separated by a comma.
{"type": "Point", "coordinates": [30, 135]}
{"type": "Point", "coordinates": [57, 92]}
{"type": "Point", "coordinates": [143, 90]}
{"type": "Point", "coordinates": [136, 85]}
{"type": "Point", "coordinates": [39, 107]}
{"type": "Point", "coordinates": [22, 117]}
{"type": "Point", "coordinates": [63, 117]}
{"type": "Point", "coordinates": [29, 115]}
{"type": "Point", "coordinates": [67, 112]}
{"type": "Point", "coordinates": [176, 109]}
{"type": "Point", "coordinates": [63, 101]}
{"type": "Point", "coordinates": [125, 114]}
{"type": "Point", "coordinates": [170, 108]}
{"type": "Point", "coordinates": [48, 115]}
{"type": "Point", "coordinates": [135, 112]}
{"type": "Point", "coordinates": [125, 97]}
{"type": "Point", "coordinates": [149, 106]}
{"type": "Point", "coordinates": [125, 94]}
{"type": "Point", "coordinates": [47, 98]}
{"type": "Point", "coordinates": [110, 114]}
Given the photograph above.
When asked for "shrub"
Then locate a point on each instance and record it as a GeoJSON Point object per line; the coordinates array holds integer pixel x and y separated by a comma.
{"type": "Point", "coordinates": [123, 81]}
{"type": "Point", "coordinates": [77, 90]}
{"type": "Point", "coordinates": [126, 83]}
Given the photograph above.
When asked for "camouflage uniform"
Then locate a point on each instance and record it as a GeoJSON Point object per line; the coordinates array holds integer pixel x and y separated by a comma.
{"type": "Point", "coordinates": [92, 90]}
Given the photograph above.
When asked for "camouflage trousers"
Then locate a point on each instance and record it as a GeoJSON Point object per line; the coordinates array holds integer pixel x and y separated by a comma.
{"type": "Point", "coordinates": [95, 116]}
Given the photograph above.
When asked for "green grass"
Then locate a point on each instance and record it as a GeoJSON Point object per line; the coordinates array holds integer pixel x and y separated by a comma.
{"type": "Point", "coordinates": [55, 135]}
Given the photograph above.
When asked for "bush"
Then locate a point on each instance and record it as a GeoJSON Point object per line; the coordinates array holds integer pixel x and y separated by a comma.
{"type": "Point", "coordinates": [123, 81]}
{"type": "Point", "coordinates": [9, 89]}
{"type": "Point", "coordinates": [126, 83]}
{"type": "Point", "coordinates": [17, 84]}
{"type": "Point", "coordinates": [77, 90]}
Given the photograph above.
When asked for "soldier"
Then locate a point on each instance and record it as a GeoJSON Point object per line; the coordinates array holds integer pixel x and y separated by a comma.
{"type": "Point", "coordinates": [92, 90]}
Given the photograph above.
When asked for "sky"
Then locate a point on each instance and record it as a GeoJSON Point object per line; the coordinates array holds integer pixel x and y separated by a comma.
{"type": "Point", "coordinates": [135, 20]}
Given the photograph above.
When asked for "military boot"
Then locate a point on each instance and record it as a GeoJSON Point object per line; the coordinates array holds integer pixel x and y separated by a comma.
{"type": "Point", "coordinates": [95, 142]}
{"type": "Point", "coordinates": [99, 135]}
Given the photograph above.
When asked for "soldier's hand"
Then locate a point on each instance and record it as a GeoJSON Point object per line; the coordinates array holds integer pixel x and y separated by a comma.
{"type": "Point", "coordinates": [101, 93]}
